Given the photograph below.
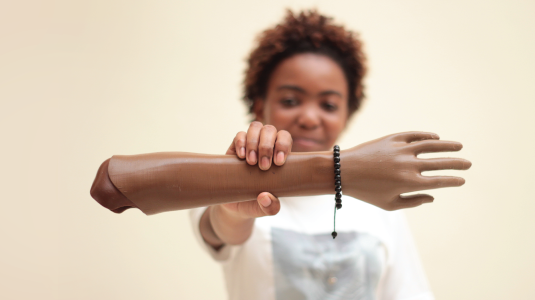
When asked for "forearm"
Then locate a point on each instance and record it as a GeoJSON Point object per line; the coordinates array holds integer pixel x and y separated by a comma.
{"type": "Point", "coordinates": [219, 227]}
{"type": "Point", "coordinates": [207, 230]}
{"type": "Point", "coordinates": [166, 181]}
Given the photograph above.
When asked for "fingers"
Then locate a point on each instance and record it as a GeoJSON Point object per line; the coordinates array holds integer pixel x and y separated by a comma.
{"type": "Point", "coordinates": [265, 205]}
{"type": "Point", "coordinates": [410, 201]}
{"type": "Point", "coordinates": [238, 145]}
{"type": "Point", "coordinates": [253, 137]}
{"type": "Point", "coordinates": [444, 164]}
{"type": "Point", "coordinates": [429, 146]}
{"type": "Point", "coordinates": [231, 150]}
{"type": "Point", "coordinates": [411, 136]}
{"type": "Point", "coordinates": [268, 135]}
{"type": "Point", "coordinates": [435, 182]}
{"type": "Point", "coordinates": [283, 147]}
{"type": "Point", "coordinates": [262, 144]}
{"type": "Point", "coordinates": [269, 204]}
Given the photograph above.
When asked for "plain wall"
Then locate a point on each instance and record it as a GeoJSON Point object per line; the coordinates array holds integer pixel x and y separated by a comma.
{"type": "Point", "coordinates": [81, 81]}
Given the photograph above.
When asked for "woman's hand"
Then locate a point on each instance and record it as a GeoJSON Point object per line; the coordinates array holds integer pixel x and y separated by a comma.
{"type": "Point", "coordinates": [379, 171]}
{"type": "Point", "coordinates": [261, 144]}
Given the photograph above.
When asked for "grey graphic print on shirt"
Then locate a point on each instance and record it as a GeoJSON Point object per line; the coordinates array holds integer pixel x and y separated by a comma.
{"type": "Point", "coordinates": [317, 267]}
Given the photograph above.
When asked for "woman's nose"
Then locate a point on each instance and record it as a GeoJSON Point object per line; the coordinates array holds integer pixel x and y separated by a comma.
{"type": "Point", "coordinates": [309, 118]}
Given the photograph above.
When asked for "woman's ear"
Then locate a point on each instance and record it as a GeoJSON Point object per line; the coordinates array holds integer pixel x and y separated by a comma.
{"type": "Point", "coordinates": [258, 110]}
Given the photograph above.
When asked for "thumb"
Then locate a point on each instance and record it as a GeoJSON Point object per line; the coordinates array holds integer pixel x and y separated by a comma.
{"type": "Point", "coordinates": [413, 200]}
{"type": "Point", "coordinates": [269, 205]}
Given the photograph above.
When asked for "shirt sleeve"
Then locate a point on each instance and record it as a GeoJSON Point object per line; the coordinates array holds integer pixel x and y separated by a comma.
{"type": "Point", "coordinates": [225, 253]}
{"type": "Point", "coordinates": [405, 278]}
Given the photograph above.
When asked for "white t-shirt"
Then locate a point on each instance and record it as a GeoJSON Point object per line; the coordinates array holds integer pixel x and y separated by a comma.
{"type": "Point", "coordinates": [292, 255]}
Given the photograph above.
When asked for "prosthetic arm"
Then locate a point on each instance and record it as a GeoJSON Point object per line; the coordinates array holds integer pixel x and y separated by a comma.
{"type": "Point", "coordinates": [376, 172]}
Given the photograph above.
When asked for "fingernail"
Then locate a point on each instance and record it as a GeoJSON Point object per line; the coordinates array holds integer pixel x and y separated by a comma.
{"type": "Point", "coordinates": [252, 157]}
{"type": "Point", "coordinates": [265, 162]}
{"type": "Point", "coordinates": [280, 157]}
{"type": "Point", "coordinates": [266, 201]}
{"type": "Point", "coordinates": [242, 151]}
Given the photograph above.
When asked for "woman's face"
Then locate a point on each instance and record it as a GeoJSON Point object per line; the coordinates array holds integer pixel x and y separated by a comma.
{"type": "Point", "coordinates": [306, 96]}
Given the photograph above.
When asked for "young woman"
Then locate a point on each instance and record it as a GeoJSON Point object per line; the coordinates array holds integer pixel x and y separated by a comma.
{"type": "Point", "coordinates": [303, 83]}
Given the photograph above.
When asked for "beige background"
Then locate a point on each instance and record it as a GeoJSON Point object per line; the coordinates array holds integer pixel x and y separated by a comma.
{"type": "Point", "coordinates": [83, 80]}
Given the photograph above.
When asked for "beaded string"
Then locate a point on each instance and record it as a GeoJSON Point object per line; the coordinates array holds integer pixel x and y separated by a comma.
{"type": "Point", "coordinates": [334, 234]}
{"type": "Point", "coordinates": [337, 185]}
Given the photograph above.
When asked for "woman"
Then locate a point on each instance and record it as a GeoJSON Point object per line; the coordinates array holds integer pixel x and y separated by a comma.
{"type": "Point", "coordinates": [303, 84]}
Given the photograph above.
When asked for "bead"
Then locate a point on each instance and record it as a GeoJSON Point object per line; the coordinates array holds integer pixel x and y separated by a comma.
{"type": "Point", "coordinates": [337, 182]}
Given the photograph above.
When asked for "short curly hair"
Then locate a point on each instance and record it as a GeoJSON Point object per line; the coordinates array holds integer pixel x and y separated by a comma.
{"type": "Point", "coordinates": [307, 32]}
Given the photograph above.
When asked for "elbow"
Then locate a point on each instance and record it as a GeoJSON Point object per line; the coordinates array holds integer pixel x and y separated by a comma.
{"type": "Point", "coordinates": [106, 194]}
{"type": "Point", "coordinates": [98, 188]}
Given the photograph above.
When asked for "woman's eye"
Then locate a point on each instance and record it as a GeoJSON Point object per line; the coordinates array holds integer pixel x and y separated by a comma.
{"type": "Point", "coordinates": [330, 107]}
{"type": "Point", "coordinates": [289, 102]}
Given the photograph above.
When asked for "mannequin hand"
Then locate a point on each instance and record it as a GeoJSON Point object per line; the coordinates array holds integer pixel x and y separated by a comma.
{"type": "Point", "coordinates": [379, 171]}
{"type": "Point", "coordinates": [263, 144]}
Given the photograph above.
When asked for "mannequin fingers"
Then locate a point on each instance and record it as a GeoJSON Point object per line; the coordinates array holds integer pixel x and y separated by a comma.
{"type": "Point", "coordinates": [253, 137]}
{"type": "Point", "coordinates": [239, 144]}
{"type": "Point", "coordinates": [429, 146]}
{"type": "Point", "coordinates": [448, 163]}
{"type": "Point", "coordinates": [411, 136]}
{"type": "Point", "coordinates": [268, 135]}
{"type": "Point", "coordinates": [411, 201]}
{"type": "Point", "coordinates": [283, 147]}
{"type": "Point", "coordinates": [435, 182]}
{"type": "Point", "coordinates": [269, 204]}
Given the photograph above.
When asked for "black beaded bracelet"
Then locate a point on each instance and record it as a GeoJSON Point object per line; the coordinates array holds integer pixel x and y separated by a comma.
{"type": "Point", "coordinates": [337, 185]}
